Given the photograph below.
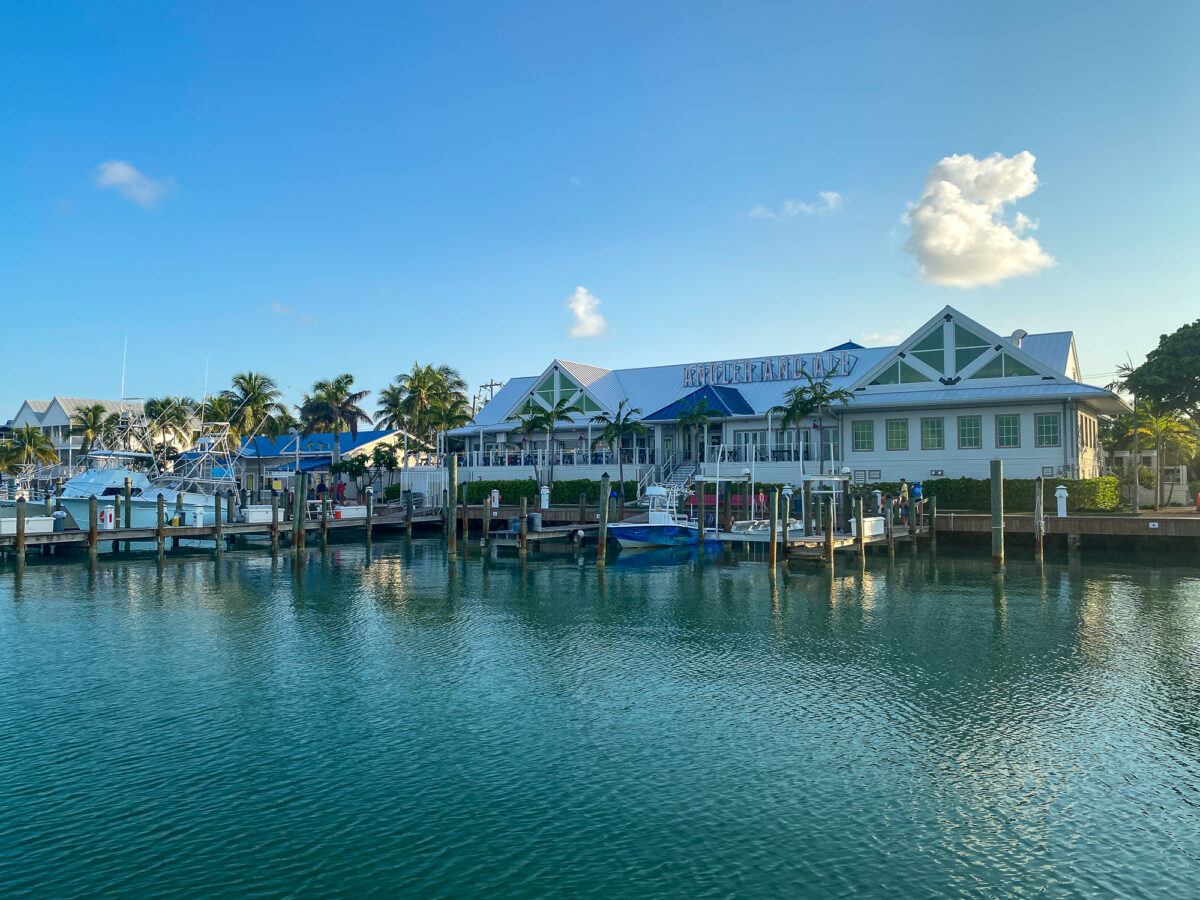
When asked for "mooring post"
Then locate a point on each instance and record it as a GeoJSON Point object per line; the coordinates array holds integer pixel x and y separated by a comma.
{"type": "Point", "coordinates": [582, 507]}
{"type": "Point", "coordinates": [773, 547]}
{"type": "Point", "coordinates": [274, 520]}
{"type": "Point", "coordinates": [888, 530]}
{"type": "Point", "coordinates": [1039, 516]}
{"type": "Point", "coordinates": [486, 536]}
{"type": "Point", "coordinates": [808, 508]}
{"type": "Point", "coordinates": [829, 533]}
{"type": "Point", "coordinates": [602, 539]}
{"type": "Point", "coordinates": [452, 508]}
{"type": "Point", "coordinates": [128, 507]}
{"type": "Point", "coordinates": [861, 521]}
{"type": "Point", "coordinates": [298, 507]}
{"type": "Point", "coordinates": [933, 521]}
{"type": "Point", "coordinates": [218, 517]}
{"type": "Point", "coordinates": [160, 525]}
{"type": "Point", "coordinates": [179, 518]}
{"type": "Point", "coordinates": [523, 528]}
{"type": "Point", "coordinates": [997, 515]}
{"type": "Point", "coordinates": [370, 513]}
{"type": "Point", "coordinates": [93, 526]}
{"type": "Point", "coordinates": [408, 512]}
{"type": "Point", "coordinates": [19, 541]}
{"type": "Point", "coordinates": [787, 517]}
{"type": "Point", "coordinates": [324, 521]}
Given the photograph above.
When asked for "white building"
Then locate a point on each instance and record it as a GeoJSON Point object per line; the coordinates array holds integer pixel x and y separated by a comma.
{"type": "Point", "coordinates": [943, 402]}
{"type": "Point", "coordinates": [54, 416]}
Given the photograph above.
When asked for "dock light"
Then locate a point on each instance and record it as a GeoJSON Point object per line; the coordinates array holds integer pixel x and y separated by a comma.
{"type": "Point", "coordinates": [787, 490]}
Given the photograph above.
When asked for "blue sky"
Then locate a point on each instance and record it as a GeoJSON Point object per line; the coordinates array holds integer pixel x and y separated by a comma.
{"type": "Point", "coordinates": [306, 189]}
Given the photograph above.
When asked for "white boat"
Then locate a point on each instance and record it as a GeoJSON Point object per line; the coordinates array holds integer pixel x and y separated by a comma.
{"type": "Point", "coordinates": [665, 526]}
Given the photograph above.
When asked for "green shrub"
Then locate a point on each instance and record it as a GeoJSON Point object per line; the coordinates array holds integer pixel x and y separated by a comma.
{"type": "Point", "coordinates": [975, 494]}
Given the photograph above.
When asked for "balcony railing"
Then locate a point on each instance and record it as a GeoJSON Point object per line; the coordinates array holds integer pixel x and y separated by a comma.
{"type": "Point", "coordinates": [641, 456]}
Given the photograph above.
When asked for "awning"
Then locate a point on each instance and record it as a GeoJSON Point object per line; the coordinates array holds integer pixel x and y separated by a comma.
{"type": "Point", "coordinates": [307, 464]}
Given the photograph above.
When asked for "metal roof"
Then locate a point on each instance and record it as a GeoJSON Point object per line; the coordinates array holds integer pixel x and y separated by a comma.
{"type": "Point", "coordinates": [721, 401]}
{"type": "Point", "coordinates": [266, 448]}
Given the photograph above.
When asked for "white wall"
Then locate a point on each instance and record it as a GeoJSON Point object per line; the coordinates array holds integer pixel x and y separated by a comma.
{"type": "Point", "coordinates": [1026, 461]}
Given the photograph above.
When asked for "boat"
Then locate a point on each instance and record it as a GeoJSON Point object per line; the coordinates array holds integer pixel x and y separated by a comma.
{"type": "Point", "coordinates": [199, 475]}
{"type": "Point", "coordinates": [664, 525]}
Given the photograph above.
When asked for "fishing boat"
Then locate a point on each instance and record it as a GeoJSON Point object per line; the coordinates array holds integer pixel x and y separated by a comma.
{"type": "Point", "coordinates": [665, 526]}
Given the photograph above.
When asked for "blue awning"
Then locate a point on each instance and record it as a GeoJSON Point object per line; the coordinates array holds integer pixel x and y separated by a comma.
{"type": "Point", "coordinates": [307, 464]}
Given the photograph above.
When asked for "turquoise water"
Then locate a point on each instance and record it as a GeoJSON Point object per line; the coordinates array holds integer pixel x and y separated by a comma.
{"type": "Point", "coordinates": [397, 725]}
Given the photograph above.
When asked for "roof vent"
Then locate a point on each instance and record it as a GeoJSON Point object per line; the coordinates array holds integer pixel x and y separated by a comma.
{"type": "Point", "coordinates": [1018, 336]}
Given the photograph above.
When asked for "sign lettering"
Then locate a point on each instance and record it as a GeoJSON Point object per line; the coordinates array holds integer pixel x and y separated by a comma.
{"type": "Point", "coordinates": [770, 368]}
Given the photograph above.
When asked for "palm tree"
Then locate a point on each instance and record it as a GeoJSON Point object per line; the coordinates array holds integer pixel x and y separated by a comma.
{"type": "Point", "coordinates": [218, 408]}
{"type": "Point", "coordinates": [802, 401]}
{"type": "Point", "coordinates": [695, 417]}
{"type": "Point", "coordinates": [256, 398]}
{"type": "Point", "coordinates": [91, 423]}
{"type": "Point", "coordinates": [616, 427]}
{"type": "Point", "coordinates": [32, 446]}
{"type": "Point", "coordinates": [333, 406]}
{"type": "Point", "coordinates": [171, 419]}
{"type": "Point", "coordinates": [425, 401]}
{"type": "Point", "coordinates": [1169, 432]}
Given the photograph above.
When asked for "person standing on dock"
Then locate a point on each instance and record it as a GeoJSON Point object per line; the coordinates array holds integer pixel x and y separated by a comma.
{"type": "Point", "coordinates": [322, 490]}
{"type": "Point", "coordinates": [341, 492]}
{"type": "Point", "coordinates": [903, 500]}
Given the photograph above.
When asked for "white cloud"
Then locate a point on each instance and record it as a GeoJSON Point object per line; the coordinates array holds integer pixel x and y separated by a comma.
{"type": "Point", "coordinates": [829, 201]}
{"type": "Point", "coordinates": [286, 312]}
{"type": "Point", "coordinates": [588, 322]}
{"type": "Point", "coordinates": [959, 236]}
{"type": "Point", "coordinates": [131, 184]}
{"type": "Point", "coordinates": [881, 338]}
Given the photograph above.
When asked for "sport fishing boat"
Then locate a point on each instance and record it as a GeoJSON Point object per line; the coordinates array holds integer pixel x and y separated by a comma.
{"type": "Point", "coordinates": [199, 475]}
{"type": "Point", "coordinates": [664, 525]}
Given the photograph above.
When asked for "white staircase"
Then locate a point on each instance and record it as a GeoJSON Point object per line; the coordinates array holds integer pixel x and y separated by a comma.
{"type": "Point", "coordinates": [681, 477]}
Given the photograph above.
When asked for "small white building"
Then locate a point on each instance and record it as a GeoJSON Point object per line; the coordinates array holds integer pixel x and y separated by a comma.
{"type": "Point", "coordinates": [942, 403]}
{"type": "Point", "coordinates": [54, 418]}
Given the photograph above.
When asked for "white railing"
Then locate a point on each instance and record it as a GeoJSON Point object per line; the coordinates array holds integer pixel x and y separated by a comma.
{"type": "Point", "coordinates": [641, 456]}
{"type": "Point", "coordinates": [745, 453]}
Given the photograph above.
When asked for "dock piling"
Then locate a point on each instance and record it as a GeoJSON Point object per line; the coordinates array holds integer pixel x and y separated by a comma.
{"type": "Point", "coordinates": [452, 508]}
{"type": "Point", "coordinates": [19, 543]}
{"type": "Point", "coordinates": [1039, 517]}
{"type": "Point", "coordinates": [828, 522]}
{"type": "Point", "coordinates": [93, 526]}
{"type": "Point", "coordinates": [773, 547]}
{"type": "Point", "coordinates": [160, 525]}
{"type": "Point", "coordinates": [808, 510]}
{"type": "Point", "coordinates": [861, 537]}
{"type": "Point", "coordinates": [933, 522]}
{"type": "Point", "coordinates": [523, 526]}
{"type": "Point", "coordinates": [997, 473]}
{"type": "Point", "coordinates": [408, 512]}
{"type": "Point", "coordinates": [602, 538]}
{"type": "Point", "coordinates": [218, 516]}
{"type": "Point", "coordinates": [274, 520]}
{"type": "Point", "coordinates": [128, 506]}
{"type": "Point", "coordinates": [370, 524]}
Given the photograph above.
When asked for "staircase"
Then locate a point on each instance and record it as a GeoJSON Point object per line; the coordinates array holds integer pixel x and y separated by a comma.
{"type": "Point", "coordinates": [681, 477]}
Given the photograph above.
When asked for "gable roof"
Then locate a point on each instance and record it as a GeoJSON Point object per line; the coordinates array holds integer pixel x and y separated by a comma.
{"type": "Point", "coordinates": [720, 400]}
{"type": "Point", "coordinates": [72, 405]}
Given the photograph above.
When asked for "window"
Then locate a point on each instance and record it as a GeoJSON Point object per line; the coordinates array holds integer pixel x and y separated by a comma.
{"type": "Point", "coordinates": [897, 434]}
{"type": "Point", "coordinates": [1046, 430]}
{"type": "Point", "coordinates": [933, 434]}
{"type": "Point", "coordinates": [864, 436]}
{"type": "Point", "coordinates": [831, 443]}
{"type": "Point", "coordinates": [968, 347]}
{"type": "Point", "coordinates": [900, 372]}
{"type": "Point", "coordinates": [931, 349]}
{"type": "Point", "coordinates": [1003, 366]}
{"type": "Point", "coordinates": [970, 433]}
{"type": "Point", "coordinates": [1008, 430]}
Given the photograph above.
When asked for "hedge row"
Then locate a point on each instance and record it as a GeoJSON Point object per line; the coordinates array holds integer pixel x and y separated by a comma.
{"type": "Point", "coordinates": [561, 492]}
{"type": "Point", "coordinates": [975, 494]}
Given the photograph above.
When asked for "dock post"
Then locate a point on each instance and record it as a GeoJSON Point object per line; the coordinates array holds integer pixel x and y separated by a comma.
{"type": "Point", "coordinates": [523, 529]}
{"type": "Point", "coordinates": [602, 537]}
{"type": "Point", "coordinates": [888, 530]}
{"type": "Point", "coordinates": [19, 541]}
{"type": "Point", "coordinates": [1039, 517]}
{"type": "Point", "coordinates": [486, 537]}
{"type": "Point", "coordinates": [773, 547]}
{"type": "Point", "coordinates": [128, 507]}
{"type": "Point", "coordinates": [452, 508]}
{"type": "Point", "coordinates": [582, 507]}
{"type": "Point", "coordinates": [49, 503]}
{"type": "Point", "coordinates": [828, 522]}
{"type": "Point", "coordinates": [933, 522]}
{"type": "Point", "coordinates": [324, 521]}
{"type": "Point", "coordinates": [370, 514]}
{"type": "Point", "coordinates": [408, 512]}
{"type": "Point", "coordinates": [808, 510]}
{"type": "Point", "coordinates": [218, 515]}
{"type": "Point", "coordinates": [298, 507]}
{"type": "Point", "coordinates": [787, 517]}
{"type": "Point", "coordinates": [160, 525]}
{"type": "Point", "coordinates": [862, 528]}
{"type": "Point", "coordinates": [274, 520]}
{"type": "Point", "coordinates": [93, 526]}
{"type": "Point", "coordinates": [997, 515]}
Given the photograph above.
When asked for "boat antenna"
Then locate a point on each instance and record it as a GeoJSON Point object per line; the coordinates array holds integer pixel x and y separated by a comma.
{"type": "Point", "coordinates": [124, 357]}
{"type": "Point", "coordinates": [207, 360]}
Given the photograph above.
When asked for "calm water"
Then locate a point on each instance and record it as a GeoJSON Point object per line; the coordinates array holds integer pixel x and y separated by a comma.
{"type": "Point", "coordinates": [233, 728]}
